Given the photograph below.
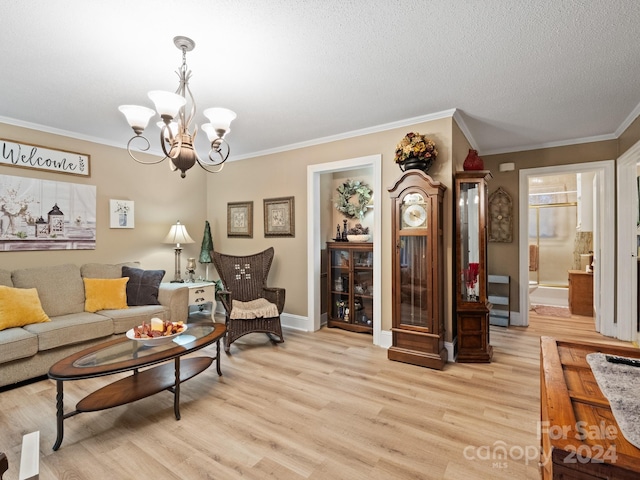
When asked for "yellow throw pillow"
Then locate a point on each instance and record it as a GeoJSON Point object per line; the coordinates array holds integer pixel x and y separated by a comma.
{"type": "Point", "coordinates": [105, 294]}
{"type": "Point", "coordinates": [19, 307]}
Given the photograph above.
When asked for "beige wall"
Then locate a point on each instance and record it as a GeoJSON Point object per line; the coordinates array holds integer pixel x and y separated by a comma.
{"type": "Point", "coordinates": [285, 174]}
{"type": "Point", "coordinates": [160, 197]}
{"type": "Point", "coordinates": [629, 137]}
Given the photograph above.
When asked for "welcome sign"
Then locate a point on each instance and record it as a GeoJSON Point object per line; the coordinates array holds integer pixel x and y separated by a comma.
{"type": "Point", "coordinates": [40, 158]}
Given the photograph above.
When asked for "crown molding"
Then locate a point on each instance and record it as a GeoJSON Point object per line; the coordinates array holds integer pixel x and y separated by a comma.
{"type": "Point", "coordinates": [353, 133]}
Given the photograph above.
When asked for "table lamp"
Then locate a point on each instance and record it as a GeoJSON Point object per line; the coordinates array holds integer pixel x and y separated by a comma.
{"type": "Point", "coordinates": [178, 235]}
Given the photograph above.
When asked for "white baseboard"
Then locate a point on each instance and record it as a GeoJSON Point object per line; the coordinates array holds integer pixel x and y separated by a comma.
{"type": "Point", "coordinates": [516, 320]}
{"type": "Point", "coordinates": [296, 322]}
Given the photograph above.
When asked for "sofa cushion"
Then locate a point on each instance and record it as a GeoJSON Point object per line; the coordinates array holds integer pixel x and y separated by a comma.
{"type": "Point", "coordinates": [105, 270]}
{"type": "Point", "coordinates": [20, 306]}
{"type": "Point", "coordinates": [17, 343]}
{"type": "Point", "coordinates": [143, 285]}
{"type": "Point", "coordinates": [5, 278]}
{"type": "Point", "coordinates": [60, 287]}
{"type": "Point", "coordinates": [105, 293]}
{"type": "Point", "coordinates": [124, 320]}
{"type": "Point", "coordinates": [69, 329]}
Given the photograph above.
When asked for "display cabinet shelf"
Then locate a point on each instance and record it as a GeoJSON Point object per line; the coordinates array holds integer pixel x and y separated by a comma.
{"type": "Point", "coordinates": [350, 286]}
{"type": "Point", "coordinates": [472, 305]}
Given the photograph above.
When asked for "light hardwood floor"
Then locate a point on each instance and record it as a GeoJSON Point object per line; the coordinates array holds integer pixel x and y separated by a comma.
{"type": "Point", "coordinates": [323, 405]}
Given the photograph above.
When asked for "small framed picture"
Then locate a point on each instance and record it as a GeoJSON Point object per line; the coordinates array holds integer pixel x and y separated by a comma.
{"type": "Point", "coordinates": [121, 214]}
{"type": "Point", "coordinates": [279, 217]}
{"type": "Point", "coordinates": [240, 219]}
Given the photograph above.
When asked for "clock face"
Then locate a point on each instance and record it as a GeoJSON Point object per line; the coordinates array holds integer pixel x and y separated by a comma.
{"type": "Point", "coordinates": [414, 215]}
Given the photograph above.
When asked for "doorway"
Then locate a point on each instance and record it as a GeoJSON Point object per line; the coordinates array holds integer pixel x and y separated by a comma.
{"type": "Point", "coordinates": [555, 233]}
{"type": "Point", "coordinates": [314, 238]}
{"type": "Point", "coordinates": [603, 238]}
{"type": "Point", "coordinates": [627, 259]}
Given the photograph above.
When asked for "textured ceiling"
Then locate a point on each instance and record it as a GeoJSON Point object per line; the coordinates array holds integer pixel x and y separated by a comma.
{"type": "Point", "coordinates": [520, 73]}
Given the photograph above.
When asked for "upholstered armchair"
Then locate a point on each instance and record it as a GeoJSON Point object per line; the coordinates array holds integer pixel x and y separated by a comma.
{"type": "Point", "coordinates": [250, 306]}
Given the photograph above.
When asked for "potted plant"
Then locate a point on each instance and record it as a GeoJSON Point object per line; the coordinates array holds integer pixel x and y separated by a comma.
{"type": "Point", "coordinates": [415, 151]}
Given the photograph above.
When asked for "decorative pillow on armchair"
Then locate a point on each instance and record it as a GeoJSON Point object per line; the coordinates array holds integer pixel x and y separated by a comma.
{"type": "Point", "coordinates": [143, 286]}
{"type": "Point", "coordinates": [19, 307]}
{"type": "Point", "coordinates": [105, 294]}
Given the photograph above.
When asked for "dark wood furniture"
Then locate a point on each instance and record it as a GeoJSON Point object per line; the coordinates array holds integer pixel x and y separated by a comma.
{"type": "Point", "coordinates": [418, 262]}
{"type": "Point", "coordinates": [472, 306]}
{"type": "Point", "coordinates": [125, 355]}
{"type": "Point", "coordinates": [581, 439]}
{"type": "Point", "coordinates": [350, 286]}
{"type": "Point", "coordinates": [581, 293]}
{"type": "Point", "coordinates": [4, 464]}
{"type": "Point", "coordinates": [245, 280]}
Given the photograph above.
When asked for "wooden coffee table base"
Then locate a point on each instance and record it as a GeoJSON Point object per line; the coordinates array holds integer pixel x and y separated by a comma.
{"type": "Point", "coordinates": [141, 384]}
{"type": "Point", "coordinates": [135, 387]}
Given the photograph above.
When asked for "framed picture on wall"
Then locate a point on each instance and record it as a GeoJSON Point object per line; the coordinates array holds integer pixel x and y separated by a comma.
{"type": "Point", "coordinates": [240, 219]}
{"type": "Point", "coordinates": [121, 214]}
{"type": "Point", "coordinates": [279, 217]}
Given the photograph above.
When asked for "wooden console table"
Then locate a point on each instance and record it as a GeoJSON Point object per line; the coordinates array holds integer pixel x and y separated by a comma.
{"type": "Point", "coordinates": [581, 439]}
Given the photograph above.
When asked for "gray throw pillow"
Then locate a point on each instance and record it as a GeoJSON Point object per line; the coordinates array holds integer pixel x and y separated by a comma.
{"type": "Point", "coordinates": [143, 286]}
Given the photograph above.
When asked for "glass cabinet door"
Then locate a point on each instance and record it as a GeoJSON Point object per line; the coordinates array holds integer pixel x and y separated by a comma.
{"type": "Point", "coordinates": [350, 288]}
{"type": "Point", "coordinates": [362, 288]}
{"type": "Point", "coordinates": [469, 241]}
{"type": "Point", "coordinates": [414, 281]}
{"type": "Point", "coordinates": [339, 285]}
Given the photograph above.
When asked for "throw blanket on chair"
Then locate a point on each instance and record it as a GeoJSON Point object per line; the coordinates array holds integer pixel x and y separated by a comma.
{"type": "Point", "coordinates": [258, 308]}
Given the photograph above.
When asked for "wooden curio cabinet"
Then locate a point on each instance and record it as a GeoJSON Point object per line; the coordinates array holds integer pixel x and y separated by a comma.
{"type": "Point", "coordinates": [418, 270]}
{"type": "Point", "coordinates": [470, 243]}
{"type": "Point", "coordinates": [350, 286]}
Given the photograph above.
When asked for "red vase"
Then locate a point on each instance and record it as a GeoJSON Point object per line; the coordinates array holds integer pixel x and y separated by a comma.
{"type": "Point", "coordinates": [473, 161]}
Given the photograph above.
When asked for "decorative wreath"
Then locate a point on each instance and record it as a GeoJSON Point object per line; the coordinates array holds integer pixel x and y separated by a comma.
{"type": "Point", "coordinates": [347, 190]}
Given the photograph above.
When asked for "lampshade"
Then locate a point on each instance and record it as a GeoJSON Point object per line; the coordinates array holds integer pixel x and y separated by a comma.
{"type": "Point", "coordinates": [167, 103]}
{"type": "Point", "coordinates": [178, 234]}
{"type": "Point", "coordinates": [219, 117]}
{"type": "Point", "coordinates": [138, 117]}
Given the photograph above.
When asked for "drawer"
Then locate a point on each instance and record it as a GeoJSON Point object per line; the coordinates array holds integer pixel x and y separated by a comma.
{"type": "Point", "coordinates": [201, 294]}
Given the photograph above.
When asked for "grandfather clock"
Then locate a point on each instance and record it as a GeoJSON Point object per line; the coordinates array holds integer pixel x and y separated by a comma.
{"type": "Point", "coordinates": [470, 243]}
{"type": "Point", "coordinates": [418, 270]}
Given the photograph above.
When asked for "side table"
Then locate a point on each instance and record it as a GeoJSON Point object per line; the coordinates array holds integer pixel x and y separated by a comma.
{"type": "Point", "coordinates": [200, 294]}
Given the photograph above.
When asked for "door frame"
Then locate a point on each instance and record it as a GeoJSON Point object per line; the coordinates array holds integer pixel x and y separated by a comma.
{"type": "Point", "coordinates": [604, 296]}
{"type": "Point", "coordinates": [314, 244]}
{"type": "Point", "coordinates": [627, 290]}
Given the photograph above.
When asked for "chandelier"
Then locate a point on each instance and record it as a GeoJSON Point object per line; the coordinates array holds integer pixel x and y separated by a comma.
{"type": "Point", "coordinates": [176, 137]}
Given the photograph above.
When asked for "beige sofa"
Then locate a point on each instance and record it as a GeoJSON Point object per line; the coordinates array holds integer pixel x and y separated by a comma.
{"type": "Point", "coordinates": [29, 351]}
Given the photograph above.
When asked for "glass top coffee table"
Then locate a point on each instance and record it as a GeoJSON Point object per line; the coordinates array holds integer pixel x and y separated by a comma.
{"type": "Point", "coordinates": [125, 355]}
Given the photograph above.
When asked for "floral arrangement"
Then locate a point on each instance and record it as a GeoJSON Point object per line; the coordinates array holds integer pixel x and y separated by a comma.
{"type": "Point", "coordinates": [415, 145]}
{"type": "Point", "coordinates": [347, 190]}
{"type": "Point", "coordinates": [122, 208]}
{"type": "Point", "coordinates": [13, 206]}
